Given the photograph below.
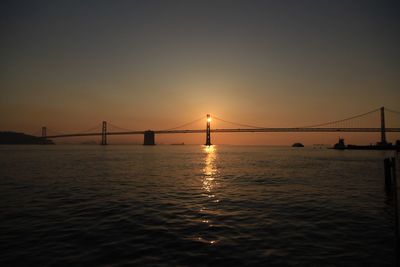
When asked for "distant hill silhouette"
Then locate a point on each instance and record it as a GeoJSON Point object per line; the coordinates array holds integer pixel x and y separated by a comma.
{"type": "Point", "coordinates": [13, 138]}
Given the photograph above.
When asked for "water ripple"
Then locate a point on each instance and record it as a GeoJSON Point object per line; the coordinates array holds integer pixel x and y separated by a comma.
{"type": "Point", "coordinates": [193, 206]}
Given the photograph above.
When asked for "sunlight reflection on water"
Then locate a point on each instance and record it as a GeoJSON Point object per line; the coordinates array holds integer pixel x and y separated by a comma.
{"type": "Point", "coordinates": [209, 184]}
{"type": "Point", "coordinates": [210, 170]}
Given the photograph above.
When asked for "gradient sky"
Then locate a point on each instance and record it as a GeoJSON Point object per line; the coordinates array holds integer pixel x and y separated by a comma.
{"type": "Point", "coordinates": [157, 64]}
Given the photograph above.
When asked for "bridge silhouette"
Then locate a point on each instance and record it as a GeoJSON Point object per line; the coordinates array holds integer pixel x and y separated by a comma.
{"type": "Point", "coordinates": [351, 124]}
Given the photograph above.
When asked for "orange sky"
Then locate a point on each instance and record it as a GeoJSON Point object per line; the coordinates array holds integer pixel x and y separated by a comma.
{"type": "Point", "coordinates": [69, 66]}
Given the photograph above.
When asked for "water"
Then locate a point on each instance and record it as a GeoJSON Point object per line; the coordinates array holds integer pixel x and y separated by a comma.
{"type": "Point", "coordinates": [189, 205]}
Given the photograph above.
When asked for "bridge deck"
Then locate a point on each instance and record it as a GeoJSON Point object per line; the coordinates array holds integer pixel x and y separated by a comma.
{"type": "Point", "coordinates": [237, 130]}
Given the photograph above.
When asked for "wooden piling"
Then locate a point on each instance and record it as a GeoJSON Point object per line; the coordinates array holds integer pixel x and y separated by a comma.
{"type": "Point", "coordinates": [391, 189]}
{"type": "Point", "coordinates": [396, 210]}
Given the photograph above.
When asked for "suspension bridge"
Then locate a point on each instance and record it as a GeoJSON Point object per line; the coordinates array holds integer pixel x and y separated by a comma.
{"type": "Point", "coordinates": [351, 124]}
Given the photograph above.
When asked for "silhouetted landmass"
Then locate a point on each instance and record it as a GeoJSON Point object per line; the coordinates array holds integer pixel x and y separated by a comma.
{"type": "Point", "coordinates": [378, 146]}
{"type": "Point", "coordinates": [13, 138]}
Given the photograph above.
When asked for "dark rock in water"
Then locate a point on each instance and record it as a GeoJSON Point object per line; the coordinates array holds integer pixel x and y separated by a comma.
{"type": "Point", "coordinates": [13, 138]}
{"type": "Point", "coordinates": [297, 145]}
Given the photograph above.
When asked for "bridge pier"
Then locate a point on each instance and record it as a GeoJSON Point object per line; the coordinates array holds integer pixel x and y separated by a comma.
{"type": "Point", "coordinates": [104, 134]}
{"type": "Point", "coordinates": [149, 138]}
{"type": "Point", "coordinates": [208, 131]}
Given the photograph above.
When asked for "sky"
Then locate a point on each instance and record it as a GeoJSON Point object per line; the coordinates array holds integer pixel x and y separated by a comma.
{"type": "Point", "coordinates": [69, 65]}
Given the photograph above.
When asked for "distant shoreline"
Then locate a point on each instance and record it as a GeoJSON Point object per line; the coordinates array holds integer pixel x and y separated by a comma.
{"type": "Point", "coordinates": [15, 138]}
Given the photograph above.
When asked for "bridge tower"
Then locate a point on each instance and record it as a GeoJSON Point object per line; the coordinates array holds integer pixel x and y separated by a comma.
{"type": "Point", "coordinates": [104, 134]}
{"type": "Point", "coordinates": [44, 132]}
{"type": "Point", "coordinates": [383, 128]}
{"type": "Point", "coordinates": [208, 131]}
{"type": "Point", "coordinates": [44, 135]}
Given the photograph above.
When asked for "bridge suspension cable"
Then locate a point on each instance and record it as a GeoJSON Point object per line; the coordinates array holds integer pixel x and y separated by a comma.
{"type": "Point", "coordinates": [392, 111]}
{"type": "Point", "coordinates": [340, 121]}
{"type": "Point", "coordinates": [392, 118]}
{"type": "Point", "coordinates": [50, 131]}
{"type": "Point", "coordinates": [120, 128]}
{"type": "Point", "coordinates": [238, 124]}
{"type": "Point", "coordinates": [346, 120]}
{"type": "Point", "coordinates": [184, 125]}
{"type": "Point", "coordinates": [96, 127]}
